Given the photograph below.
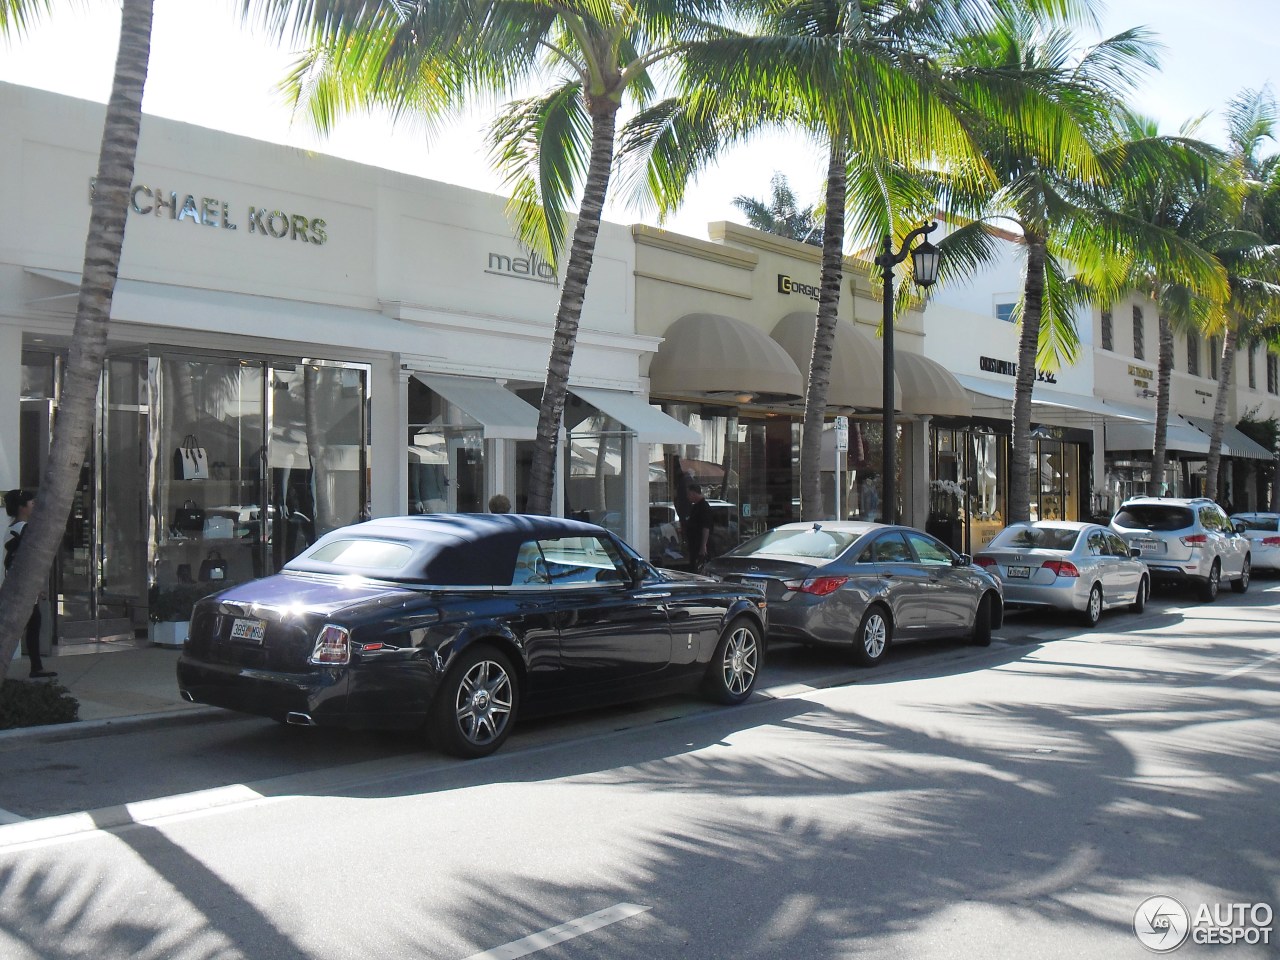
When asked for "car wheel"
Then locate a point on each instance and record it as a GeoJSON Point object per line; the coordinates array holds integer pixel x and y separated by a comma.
{"type": "Point", "coordinates": [1242, 584]}
{"type": "Point", "coordinates": [1209, 588]}
{"type": "Point", "coordinates": [732, 674]}
{"type": "Point", "coordinates": [873, 636]}
{"type": "Point", "coordinates": [476, 704]}
{"type": "Point", "coordinates": [1140, 599]}
{"type": "Point", "coordinates": [980, 636]}
{"type": "Point", "coordinates": [1093, 609]}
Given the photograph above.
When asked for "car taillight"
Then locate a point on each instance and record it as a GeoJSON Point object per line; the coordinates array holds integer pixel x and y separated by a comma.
{"type": "Point", "coordinates": [985, 561]}
{"type": "Point", "coordinates": [333, 646]}
{"type": "Point", "coordinates": [818, 586]}
{"type": "Point", "coordinates": [1195, 540]}
{"type": "Point", "coordinates": [1271, 541]}
{"type": "Point", "coordinates": [1061, 568]}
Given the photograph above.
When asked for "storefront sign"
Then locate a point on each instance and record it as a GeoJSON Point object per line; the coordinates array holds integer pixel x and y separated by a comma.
{"type": "Point", "coordinates": [1010, 369]}
{"type": "Point", "coordinates": [1143, 372]}
{"type": "Point", "coordinates": [532, 268]}
{"type": "Point", "coordinates": [214, 212]}
{"type": "Point", "coordinates": [788, 286]}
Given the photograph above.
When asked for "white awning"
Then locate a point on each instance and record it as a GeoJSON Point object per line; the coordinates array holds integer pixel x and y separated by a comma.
{"type": "Point", "coordinates": [929, 387]}
{"type": "Point", "coordinates": [1234, 443]}
{"type": "Point", "coordinates": [1064, 404]}
{"type": "Point", "coordinates": [503, 415]}
{"type": "Point", "coordinates": [1180, 437]}
{"type": "Point", "coordinates": [649, 424]}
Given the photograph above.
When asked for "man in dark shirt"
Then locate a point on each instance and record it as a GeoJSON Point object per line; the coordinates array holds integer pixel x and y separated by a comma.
{"type": "Point", "coordinates": [697, 528]}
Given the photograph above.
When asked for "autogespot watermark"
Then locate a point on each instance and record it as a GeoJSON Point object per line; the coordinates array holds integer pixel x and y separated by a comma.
{"type": "Point", "coordinates": [1163, 924]}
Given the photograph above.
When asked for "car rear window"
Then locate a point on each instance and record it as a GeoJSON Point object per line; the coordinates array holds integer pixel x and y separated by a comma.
{"type": "Point", "coordinates": [1154, 516]}
{"type": "Point", "coordinates": [362, 554]}
{"type": "Point", "coordinates": [809, 543]}
{"type": "Point", "coordinates": [1037, 538]}
{"type": "Point", "coordinates": [1265, 524]}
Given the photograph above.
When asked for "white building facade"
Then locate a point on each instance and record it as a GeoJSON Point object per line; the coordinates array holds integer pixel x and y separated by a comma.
{"type": "Point", "coordinates": [297, 342]}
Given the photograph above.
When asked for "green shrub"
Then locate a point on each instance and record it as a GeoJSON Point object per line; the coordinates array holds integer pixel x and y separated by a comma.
{"type": "Point", "coordinates": [27, 704]}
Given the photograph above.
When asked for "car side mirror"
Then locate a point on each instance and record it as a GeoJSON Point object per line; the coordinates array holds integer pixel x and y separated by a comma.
{"type": "Point", "coordinates": [964, 560]}
{"type": "Point", "coordinates": [637, 570]}
{"type": "Point", "coordinates": [1134, 553]}
{"type": "Point", "coordinates": [1239, 526]}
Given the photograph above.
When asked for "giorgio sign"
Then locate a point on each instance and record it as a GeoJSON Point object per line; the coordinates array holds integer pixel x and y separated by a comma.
{"type": "Point", "coordinates": [215, 212]}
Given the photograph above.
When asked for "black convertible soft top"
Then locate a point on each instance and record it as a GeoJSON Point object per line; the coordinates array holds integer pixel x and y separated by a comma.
{"type": "Point", "coordinates": [439, 549]}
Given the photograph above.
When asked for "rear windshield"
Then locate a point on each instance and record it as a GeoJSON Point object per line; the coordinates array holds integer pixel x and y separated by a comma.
{"type": "Point", "coordinates": [364, 554]}
{"type": "Point", "coordinates": [809, 543]}
{"type": "Point", "coordinates": [1265, 524]}
{"type": "Point", "coordinates": [1039, 538]}
{"type": "Point", "coordinates": [1154, 516]}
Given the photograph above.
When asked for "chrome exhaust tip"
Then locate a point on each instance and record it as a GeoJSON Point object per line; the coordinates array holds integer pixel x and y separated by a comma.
{"type": "Point", "coordinates": [297, 719]}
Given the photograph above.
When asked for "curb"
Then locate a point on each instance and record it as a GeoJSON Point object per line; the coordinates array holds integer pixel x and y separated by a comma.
{"type": "Point", "coordinates": [85, 729]}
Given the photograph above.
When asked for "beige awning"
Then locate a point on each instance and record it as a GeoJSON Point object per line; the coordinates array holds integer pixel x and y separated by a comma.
{"type": "Point", "coordinates": [709, 353]}
{"type": "Point", "coordinates": [929, 387]}
{"type": "Point", "coordinates": [857, 365]}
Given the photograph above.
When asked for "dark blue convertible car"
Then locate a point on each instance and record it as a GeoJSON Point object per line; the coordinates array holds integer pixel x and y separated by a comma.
{"type": "Point", "coordinates": [458, 623]}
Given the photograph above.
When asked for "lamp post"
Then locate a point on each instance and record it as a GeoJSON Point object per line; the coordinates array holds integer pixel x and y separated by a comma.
{"type": "Point", "coordinates": [924, 263]}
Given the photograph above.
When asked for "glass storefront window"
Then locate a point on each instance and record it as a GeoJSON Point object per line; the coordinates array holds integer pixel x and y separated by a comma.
{"type": "Point", "coordinates": [446, 455]}
{"type": "Point", "coordinates": [596, 469]}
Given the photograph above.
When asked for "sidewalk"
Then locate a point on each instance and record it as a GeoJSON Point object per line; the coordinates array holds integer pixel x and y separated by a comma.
{"type": "Point", "coordinates": [114, 683]}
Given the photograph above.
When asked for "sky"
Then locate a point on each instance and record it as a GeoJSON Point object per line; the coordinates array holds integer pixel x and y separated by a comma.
{"type": "Point", "coordinates": [208, 69]}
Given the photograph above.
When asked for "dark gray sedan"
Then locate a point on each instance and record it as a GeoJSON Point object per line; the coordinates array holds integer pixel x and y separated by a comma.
{"type": "Point", "coordinates": [864, 586]}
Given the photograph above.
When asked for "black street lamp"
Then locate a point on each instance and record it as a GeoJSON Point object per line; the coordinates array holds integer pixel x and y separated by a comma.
{"type": "Point", "coordinates": [924, 263]}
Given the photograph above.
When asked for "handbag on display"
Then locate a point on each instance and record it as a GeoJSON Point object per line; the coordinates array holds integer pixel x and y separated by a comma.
{"type": "Point", "coordinates": [190, 460]}
{"type": "Point", "coordinates": [188, 519]}
{"type": "Point", "coordinates": [213, 567]}
{"type": "Point", "coordinates": [218, 527]}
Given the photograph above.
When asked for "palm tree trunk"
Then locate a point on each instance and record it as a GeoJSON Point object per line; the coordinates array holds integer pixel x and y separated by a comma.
{"type": "Point", "coordinates": [1220, 412]}
{"type": "Point", "coordinates": [604, 115]}
{"type": "Point", "coordinates": [824, 334]}
{"type": "Point", "coordinates": [74, 424]}
{"type": "Point", "coordinates": [1164, 369]}
{"type": "Point", "coordinates": [1020, 455]}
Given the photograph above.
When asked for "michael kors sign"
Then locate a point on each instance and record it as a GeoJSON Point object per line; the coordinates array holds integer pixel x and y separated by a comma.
{"type": "Point", "coordinates": [214, 212]}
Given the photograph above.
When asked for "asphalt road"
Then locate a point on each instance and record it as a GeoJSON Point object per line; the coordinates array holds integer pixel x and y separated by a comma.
{"type": "Point", "coordinates": [1017, 801]}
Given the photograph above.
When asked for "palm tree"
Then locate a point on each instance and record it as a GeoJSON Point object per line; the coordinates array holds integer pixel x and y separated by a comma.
{"type": "Point", "coordinates": [1170, 189]}
{"type": "Point", "coordinates": [782, 214]}
{"type": "Point", "coordinates": [863, 79]}
{"type": "Point", "coordinates": [79, 392]}
{"type": "Point", "coordinates": [424, 59]}
{"type": "Point", "coordinates": [1061, 209]}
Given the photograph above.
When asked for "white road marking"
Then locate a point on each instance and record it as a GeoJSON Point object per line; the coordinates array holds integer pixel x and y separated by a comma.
{"type": "Point", "coordinates": [565, 931]}
{"type": "Point", "coordinates": [1250, 666]}
{"type": "Point", "coordinates": [7, 817]}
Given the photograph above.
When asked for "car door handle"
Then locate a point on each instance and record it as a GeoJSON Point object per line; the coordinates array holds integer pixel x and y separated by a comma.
{"type": "Point", "coordinates": [652, 596]}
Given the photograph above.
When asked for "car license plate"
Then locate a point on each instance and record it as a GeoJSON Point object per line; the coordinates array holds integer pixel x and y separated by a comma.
{"type": "Point", "coordinates": [254, 630]}
{"type": "Point", "coordinates": [1021, 573]}
{"type": "Point", "coordinates": [1151, 546]}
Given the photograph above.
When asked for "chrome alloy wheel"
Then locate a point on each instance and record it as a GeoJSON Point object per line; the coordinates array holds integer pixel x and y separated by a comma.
{"type": "Point", "coordinates": [875, 633]}
{"type": "Point", "coordinates": [483, 705]}
{"type": "Point", "coordinates": [1095, 605]}
{"type": "Point", "coordinates": [741, 660]}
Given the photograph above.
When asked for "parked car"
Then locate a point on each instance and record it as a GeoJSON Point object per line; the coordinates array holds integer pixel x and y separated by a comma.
{"type": "Point", "coordinates": [458, 624]}
{"type": "Point", "coordinates": [1262, 530]}
{"type": "Point", "coordinates": [1186, 541]}
{"type": "Point", "coordinates": [864, 585]}
{"type": "Point", "coordinates": [1077, 567]}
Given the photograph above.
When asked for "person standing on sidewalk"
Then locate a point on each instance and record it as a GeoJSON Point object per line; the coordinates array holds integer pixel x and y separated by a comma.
{"type": "Point", "coordinates": [697, 529]}
{"type": "Point", "coordinates": [19, 504]}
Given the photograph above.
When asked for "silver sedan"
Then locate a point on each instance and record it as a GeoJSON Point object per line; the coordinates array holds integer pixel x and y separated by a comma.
{"type": "Point", "coordinates": [1082, 568]}
{"type": "Point", "coordinates": [864, 586]}
{"type": "Point", "coordinates": [1263, 533]}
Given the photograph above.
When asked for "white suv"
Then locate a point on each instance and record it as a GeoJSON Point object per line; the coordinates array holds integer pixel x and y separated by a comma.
{"type": "Point", "coordinates": [1186, 540]}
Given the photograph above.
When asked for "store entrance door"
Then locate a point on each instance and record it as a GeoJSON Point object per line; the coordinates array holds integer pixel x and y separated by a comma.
{"type": "Point", "coordinates": [99, 582]}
